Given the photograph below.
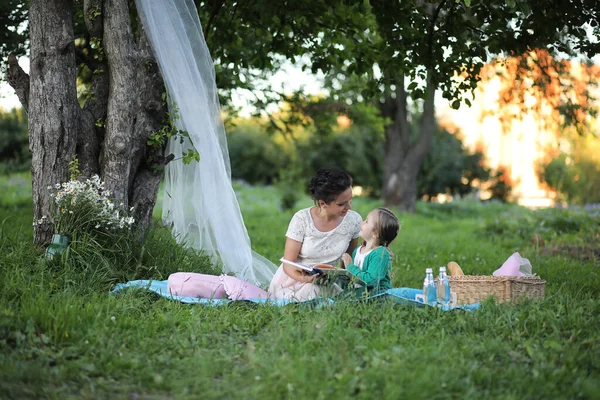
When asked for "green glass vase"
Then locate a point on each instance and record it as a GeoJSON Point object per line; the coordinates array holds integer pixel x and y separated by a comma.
{"type": "Point", "coordinates": [58, 244]}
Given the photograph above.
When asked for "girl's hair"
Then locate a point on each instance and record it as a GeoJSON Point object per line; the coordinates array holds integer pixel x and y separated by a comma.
{"type": "Point", "coordinates": [387, 226]}
{"type": "Point", "coordinates": [328, 184]}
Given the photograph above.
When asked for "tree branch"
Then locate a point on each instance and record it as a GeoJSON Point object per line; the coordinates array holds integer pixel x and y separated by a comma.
{"type": "Point", "coordinates": [19, 80]}
{"type": "Point", "coordinates": [92, 15]}
{"type": "Point", "coordinates": [213, 13]}
{"type": "Point", "coordinates": [434, 17]}
{"type": "Point", "coordinates": [401, 115]}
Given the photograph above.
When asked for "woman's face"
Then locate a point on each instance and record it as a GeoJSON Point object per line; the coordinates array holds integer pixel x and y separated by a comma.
{"type": "Point", "coordinates": [341, 204]}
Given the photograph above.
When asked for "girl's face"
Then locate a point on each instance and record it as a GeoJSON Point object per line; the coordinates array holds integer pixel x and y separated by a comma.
{"type": "Point", "coordinates": [369, 226]}
{"type": "Point", "coordinates": [341, 204]}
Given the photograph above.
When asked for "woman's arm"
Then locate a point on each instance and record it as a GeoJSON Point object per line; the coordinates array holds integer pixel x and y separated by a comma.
{"type": "Point", "coordinates": [353, 244]}
{"type": "Point", "coordinates": [292, 249]}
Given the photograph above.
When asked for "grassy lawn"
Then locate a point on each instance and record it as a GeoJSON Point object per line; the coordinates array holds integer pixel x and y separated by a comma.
{"type": "Point", "coordinates": [63, 335]}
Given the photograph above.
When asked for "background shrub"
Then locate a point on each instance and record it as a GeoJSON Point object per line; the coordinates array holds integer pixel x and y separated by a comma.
{"type": "Point", "coordinates": [575, 175]}
{"type": "Point", "coordinates": [14, 142]}
{"type": "Point", "coordinates": [450, 168]}
{"type": "Point", "coordinates": [255, 156]}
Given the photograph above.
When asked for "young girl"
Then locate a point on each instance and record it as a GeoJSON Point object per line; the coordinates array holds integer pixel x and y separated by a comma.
{"type": "Point", "coordinates": [372, 261]}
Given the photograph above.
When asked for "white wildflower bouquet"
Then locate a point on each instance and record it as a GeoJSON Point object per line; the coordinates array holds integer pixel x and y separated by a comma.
{"type": "Point", "coordinates": [85, 207]}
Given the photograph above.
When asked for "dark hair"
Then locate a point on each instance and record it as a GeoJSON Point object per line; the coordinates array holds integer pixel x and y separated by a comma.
{"type": "Point", "coordinates": [387, 226]}
{"type": "Point", "coordinates": [328, 184]}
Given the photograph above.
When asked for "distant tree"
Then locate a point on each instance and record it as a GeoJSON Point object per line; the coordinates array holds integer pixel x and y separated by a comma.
{"type": "Point", "coordinates": [501, 184]}
{"type": "Point", "coordinates": [356, 147]}
{"type": "Point", "coordinates": [414, 48]}
{"type": "Point", "coordinates": [561, 94]}
{"type": "Point", "coordinates": [574, 171]}
{"type": "Point", "coordinates": [449, 168]}
{"type": "Point", "coordinates": [255, 157]}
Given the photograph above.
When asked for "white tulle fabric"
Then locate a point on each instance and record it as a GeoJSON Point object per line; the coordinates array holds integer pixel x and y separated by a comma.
{"type": "Point", "coordinates": [199, 200]}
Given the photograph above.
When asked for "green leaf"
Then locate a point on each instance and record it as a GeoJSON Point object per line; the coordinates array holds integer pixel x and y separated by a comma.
{"type": "Point", "coordinates": [191, 155]}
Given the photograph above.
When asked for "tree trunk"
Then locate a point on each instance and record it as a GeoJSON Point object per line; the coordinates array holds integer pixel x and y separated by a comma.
{"type": "Point", "coordinates": [131, 169]}
{"type": "Point", "coordinates": [148, 162]}
{"type": "Point", "coordinates": [53, 108]}
{"type": "Point", "coordinates": [403, 159]}
{"type": "Point", "coordinates": [122, 100]}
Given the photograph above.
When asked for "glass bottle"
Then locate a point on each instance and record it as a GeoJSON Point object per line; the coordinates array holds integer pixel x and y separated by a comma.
{"type": "Point", "coordinates": [443, 287]}
{"type": "Point", "coordinates": [429, 291]}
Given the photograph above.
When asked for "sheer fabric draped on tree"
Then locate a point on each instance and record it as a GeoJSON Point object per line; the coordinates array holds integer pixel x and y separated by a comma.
{"type": "Point", "coordinates": [199, 200]}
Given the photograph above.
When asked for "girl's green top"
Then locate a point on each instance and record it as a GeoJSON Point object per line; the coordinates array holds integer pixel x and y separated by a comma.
{"type": "Point", "coordinates": [375, 270]}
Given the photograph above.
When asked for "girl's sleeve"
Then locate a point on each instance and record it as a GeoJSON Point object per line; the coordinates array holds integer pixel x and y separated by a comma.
{"type": "Point", "coordinates": [375, 268]}
{"type": "Point", "coordinates": [296, 228]}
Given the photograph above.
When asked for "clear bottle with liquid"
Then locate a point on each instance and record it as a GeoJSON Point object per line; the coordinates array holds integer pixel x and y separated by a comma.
{"type": "Point", "coordinates": [443, 287]}
{"type": "Point", "coordinates": [429, 291]}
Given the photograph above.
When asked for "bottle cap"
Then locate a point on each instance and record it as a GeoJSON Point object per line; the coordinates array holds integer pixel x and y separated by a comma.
{"type": "Point", "coordinates": [442, 269]}
{"type": "Point", "coordinates": [428, 270]}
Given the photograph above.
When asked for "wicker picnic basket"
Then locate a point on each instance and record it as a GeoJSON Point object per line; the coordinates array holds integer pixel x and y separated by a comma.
{"type": "Point", "coordinates": [472, 289]}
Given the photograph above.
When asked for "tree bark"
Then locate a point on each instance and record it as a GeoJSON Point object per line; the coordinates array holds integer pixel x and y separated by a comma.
{"type": "Point", "coordinates": [403, 159]}
{"type": "Point", "coordinates": [122, 100]}
{"type": "Point", "coordinates": [19, 80]}
{"type": "Point", "coordinates": [53, 108]}
{"type": "Point", "coordinates": [147, 162]}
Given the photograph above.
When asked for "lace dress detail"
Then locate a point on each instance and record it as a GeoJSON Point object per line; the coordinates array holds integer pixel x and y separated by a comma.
{"type": "Point", "coordinates": [317, 248]}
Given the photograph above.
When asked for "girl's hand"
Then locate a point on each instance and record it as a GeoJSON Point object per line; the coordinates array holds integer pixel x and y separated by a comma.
{"type": "Point", "coordinates": [346, 259]}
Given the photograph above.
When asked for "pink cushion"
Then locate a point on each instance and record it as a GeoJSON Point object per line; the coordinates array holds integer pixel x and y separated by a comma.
{"type": "Point", "coordinates": [511, 266]}
{"type": "Point", "coordinates": [191, 284]}
{"type": "Point", "coordinates": [238, 289]}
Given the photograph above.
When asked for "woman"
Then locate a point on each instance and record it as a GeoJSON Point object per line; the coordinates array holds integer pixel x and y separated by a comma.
{"type": "Point", "coordinates": [318, 235]}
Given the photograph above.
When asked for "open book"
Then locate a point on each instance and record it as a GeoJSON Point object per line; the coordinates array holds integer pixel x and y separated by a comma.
{"type": "Point", "coordinates": [329, 273]}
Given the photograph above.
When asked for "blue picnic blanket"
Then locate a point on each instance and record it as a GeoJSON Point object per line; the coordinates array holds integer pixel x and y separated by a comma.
{"type": "Point", "coordinates": [404, 296]}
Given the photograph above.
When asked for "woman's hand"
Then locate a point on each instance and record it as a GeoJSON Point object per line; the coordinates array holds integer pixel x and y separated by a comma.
{"type": "Point", "coordinates": [311, 278]}
{"type": "Point", "coordinates": [346, 259]}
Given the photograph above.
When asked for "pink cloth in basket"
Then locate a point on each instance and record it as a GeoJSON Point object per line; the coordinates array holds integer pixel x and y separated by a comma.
{"type": "Point", "coordinates": [511, 266]}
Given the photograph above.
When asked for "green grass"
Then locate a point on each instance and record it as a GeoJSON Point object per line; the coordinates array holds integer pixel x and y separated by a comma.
{"type": "Point", "coordinates": [63, 335]}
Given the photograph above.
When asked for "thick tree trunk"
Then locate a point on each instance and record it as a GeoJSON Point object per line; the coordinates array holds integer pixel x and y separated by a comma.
{"type": "Point", "coordinates": [147, 162]}
{"type": "Point", "coordinates": [53, 107]}
{"type": "Point", "coordinates": [403, 159]}
{"type": "Point", "coordinates": [133, 109]}
{"type": "Point", "coordinates": [122, 100]}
